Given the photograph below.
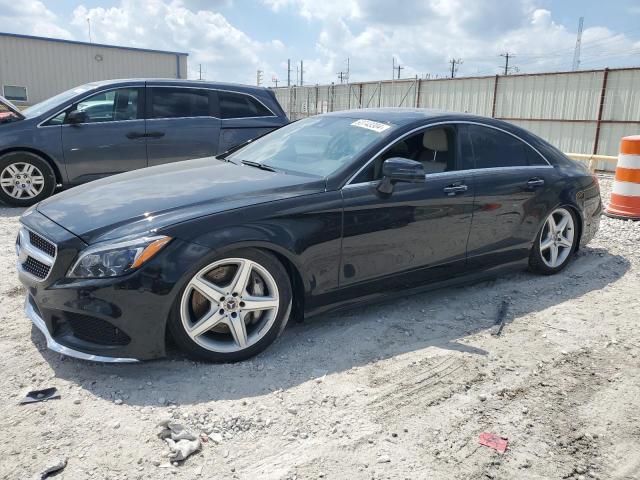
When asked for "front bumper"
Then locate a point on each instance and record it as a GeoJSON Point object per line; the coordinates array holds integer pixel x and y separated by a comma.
{"type": "Point", "coordinates": [119, 319]}
{"type": "Point", "coordinates": [38, 321]}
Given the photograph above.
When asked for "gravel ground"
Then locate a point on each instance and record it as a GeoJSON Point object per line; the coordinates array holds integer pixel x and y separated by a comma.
{"type": "Point", "coordinates": [398, 390]}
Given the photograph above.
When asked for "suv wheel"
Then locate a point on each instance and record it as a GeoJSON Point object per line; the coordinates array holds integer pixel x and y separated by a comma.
{"type": "Point", "coordinates": [25, 179]}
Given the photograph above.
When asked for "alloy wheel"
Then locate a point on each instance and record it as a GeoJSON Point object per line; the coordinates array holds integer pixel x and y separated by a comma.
{"type": "Point", "coordinates": [556, 240]}
{"type": "Point", "coordinates": [22, 180]}
{"type": "Point", "coordinates": [229, 305]}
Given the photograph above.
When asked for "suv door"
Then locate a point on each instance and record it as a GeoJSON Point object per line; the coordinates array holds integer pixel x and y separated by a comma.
{"type": "Point", "coordinates": [512, 181]}
{"type": "Point", "coordinates": [111, 139]}
{"type": "Point", "coordinates": [181, 123]}
{"type": "Point", "coordinates": [243, 117]}
{"type": "Point", "coordinates": [420, 230]}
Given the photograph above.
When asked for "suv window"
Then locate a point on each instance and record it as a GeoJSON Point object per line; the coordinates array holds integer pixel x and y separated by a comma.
{"type": "Point", "coordinates": [179, 102]}
{"type": "Point", "coordinates": [435, 148]}
{"type": "Point", "coordinates": [238, 105]}
{"type": "Point", "coordinates": [493, 148]}
{"type": "Point", "coordinates": [114, 105]}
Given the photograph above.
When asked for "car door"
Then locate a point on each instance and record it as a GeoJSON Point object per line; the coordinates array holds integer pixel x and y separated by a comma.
{"type": "Point", "coordinates": [110, 139]}
{"type": "Point", "coordinates": [243, 117]}
{"type": "Point", "coordinates": [181, 123]}
{"type": "Point", "coordinates": [512, 182]}
{"type": "Point", "coordinates": [419, 232]}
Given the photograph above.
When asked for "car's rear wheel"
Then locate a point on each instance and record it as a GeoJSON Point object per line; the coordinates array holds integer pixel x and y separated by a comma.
{"type": "Point", "coordinates": [25, 179]}
{"type": "Point", "coordinates": [232, 308]}
{"type": "Point", "coordinates": [555, 243]}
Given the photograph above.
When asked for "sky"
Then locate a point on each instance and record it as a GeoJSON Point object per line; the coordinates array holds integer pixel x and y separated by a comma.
{"type": "Point", "coordinates": [232, 39]}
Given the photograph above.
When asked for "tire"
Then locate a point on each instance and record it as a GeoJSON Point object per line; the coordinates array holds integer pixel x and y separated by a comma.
{"type": "Point", "coordinates": [552, 236]}
{"type": "Point", "coordinates": [238, 327]}
{"type": "Point", "coordinates": [35, 177]}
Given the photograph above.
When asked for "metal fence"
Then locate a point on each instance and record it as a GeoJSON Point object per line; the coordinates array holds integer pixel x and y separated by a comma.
{"type": "Point", "coordinates": [583, 112]}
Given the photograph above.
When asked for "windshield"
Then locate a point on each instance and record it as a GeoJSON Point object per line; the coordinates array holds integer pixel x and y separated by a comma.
{"type": "Point", "coordinates": [48, 104]}
{"type": "Point", "coordinates": [316, 146]}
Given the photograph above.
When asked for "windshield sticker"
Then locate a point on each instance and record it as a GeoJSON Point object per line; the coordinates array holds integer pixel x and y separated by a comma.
{"type": "Point", "coordinates": [371, 125]}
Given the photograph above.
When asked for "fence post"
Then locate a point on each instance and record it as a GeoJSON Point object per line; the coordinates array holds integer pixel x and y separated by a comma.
{"type": "Point", "coordinates": [379, 93]}
{"type": "Point", "coordinates": [360, 96]}
{"type": "Point", "coordinates": [495, 97]}
{"type": "Point", "coordinates": [418, 84]}
{"type": "Point", "coordinates": [603, 94]}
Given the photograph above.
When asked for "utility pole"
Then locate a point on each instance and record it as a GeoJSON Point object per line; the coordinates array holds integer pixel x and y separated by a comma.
{"type": "Point", "coordinates": [507, 56]}
{"type": "Point", "coordinates": [89, 25]}
{"type": "Point", "coordinates": [393, 68]}
{"type": "Point", "coordinates": [259, 77]}
{"type": "Point", "coordinates": [342, 76]}
{"type": "Point", "coordinates": [301, 72]}
{"type": "Point", "coordinates": [399, 68]}
{"type": "Point", "coordinates": [576, 52]}
{"type": "Point", "coordinates": [289, 73]}
{"type": "Point", "coordinates": [454, 68]}
{"type": "Point", "coordinates": [275, 81]}
{"type": "Point", "coordinates": [200, 71]}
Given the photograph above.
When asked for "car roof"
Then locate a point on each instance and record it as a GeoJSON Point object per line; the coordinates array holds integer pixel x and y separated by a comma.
{"type": "Point", "coordinates": [180, 82]}
{"type": "Point", "coordinates": [407, 116]}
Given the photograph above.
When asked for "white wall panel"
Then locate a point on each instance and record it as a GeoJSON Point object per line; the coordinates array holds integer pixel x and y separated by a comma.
{"type": "Point", "coordinates": [622, 100]}
{"type": "Point", "coordinates": [50, 67]}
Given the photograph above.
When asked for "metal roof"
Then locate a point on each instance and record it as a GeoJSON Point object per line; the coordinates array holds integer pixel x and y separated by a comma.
{"type": "Point", "coordinates": [76, 42]}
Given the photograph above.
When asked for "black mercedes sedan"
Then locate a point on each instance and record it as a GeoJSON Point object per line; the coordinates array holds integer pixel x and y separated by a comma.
{"type": "Point", "coordinates": [327, 212]}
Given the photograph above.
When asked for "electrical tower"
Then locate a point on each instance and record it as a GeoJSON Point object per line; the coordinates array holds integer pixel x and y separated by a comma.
{"type": "Point", "coordinates": [399, 68]}
{"type": "Point", "coordinates": [289, 73]}
{"type": "Point", "coordinates": [507, 68]}
{"type": "Point", "coordinates": [455, 63]}
{"type": "Point", "coordinates": [576, 52]}
{"type": "Point", "coordinates": [259, 74]}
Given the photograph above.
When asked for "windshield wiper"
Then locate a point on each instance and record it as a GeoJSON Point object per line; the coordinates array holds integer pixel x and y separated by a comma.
{"type": "Point", "coordinates": [261, 166]}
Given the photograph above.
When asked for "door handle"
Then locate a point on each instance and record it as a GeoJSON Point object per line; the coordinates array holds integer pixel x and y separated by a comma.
{"type": "Point", "coordinates": [155, 134]}
{"type": "Point", "coordinates": [455, 188]}
{"type": "Point", "coordinates": [535, 182]}
{"type": "Point", "coordinates": [134, 135]}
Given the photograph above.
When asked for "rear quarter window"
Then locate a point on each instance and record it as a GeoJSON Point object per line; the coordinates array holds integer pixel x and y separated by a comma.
{"type": "Point", "coordinates": [238, 105]}
{"type": "Point", "coordinates": [494, 148]}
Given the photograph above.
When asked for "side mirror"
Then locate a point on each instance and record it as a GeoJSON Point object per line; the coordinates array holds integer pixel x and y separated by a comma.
{"type": "Point", "coordinates": [75, 117]}
{"type": "Point", "coordinates": [399, 169]}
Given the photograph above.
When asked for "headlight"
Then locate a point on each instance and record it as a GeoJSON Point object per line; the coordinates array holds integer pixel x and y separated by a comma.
{"type": "Point", "coordinates": [117, 258]}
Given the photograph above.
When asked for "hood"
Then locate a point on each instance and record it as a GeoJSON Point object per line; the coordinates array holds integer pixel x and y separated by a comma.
{"type": "Point", "coordinates": [9, 111]}
{"type": "Point", "coordinates": [151, 198]}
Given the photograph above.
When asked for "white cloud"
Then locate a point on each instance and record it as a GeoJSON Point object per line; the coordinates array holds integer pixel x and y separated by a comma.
{"type": "Point", "coordinates": [30, 17]}
{"type": "Point", "coordinates": [226, 52]}
{"type": "Point", "coordinates": [424, 35]}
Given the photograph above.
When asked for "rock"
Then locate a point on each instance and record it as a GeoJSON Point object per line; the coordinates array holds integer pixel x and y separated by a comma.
{"type": "Point", "coordinates": [482, 397]}
{"type": "Point", "coordinates": [384, 459]}
{"type": "Point", "coordinates": [77, 401]}
{"type": "Point", "coordinates": [215, 437]}
{"type": "Point", "coordinates": [182, 449]}
{"type": "Point", "coordinates": [118, 401]}
{"type": "Point", "coordinates": [55, 466]}
{"type": "Point", "coordinates": [292, 411]}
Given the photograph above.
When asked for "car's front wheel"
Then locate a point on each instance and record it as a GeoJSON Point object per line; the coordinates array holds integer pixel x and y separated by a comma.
{"type": "Point", "coordinates": [555, 243]}
{"type": "Point", "coordinates": [233, 307]}
{"type": "Point", "coordinates": [25, 179]}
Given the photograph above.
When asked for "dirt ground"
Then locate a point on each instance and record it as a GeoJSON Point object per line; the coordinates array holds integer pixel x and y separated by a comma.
{"type": "Point", "coordinates": [400, 390]}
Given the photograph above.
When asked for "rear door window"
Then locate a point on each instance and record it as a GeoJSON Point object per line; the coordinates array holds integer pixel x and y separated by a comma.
{"type": "Point", "coordinates": [238, 105]}
{"type": "Point", "coordinates": [179, 102]}
{"type": "Point", "coordinates": [494, 148]}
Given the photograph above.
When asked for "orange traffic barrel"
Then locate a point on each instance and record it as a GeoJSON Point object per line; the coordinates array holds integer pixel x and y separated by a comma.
{"type": "Point", "coordinates": [625, 195]}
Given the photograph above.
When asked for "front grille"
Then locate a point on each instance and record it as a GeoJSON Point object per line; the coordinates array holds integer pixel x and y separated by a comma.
{"type": "Point", "coordinates": [36, 254]}
{"type": "Point", "coordinates": [42, 243]}
{"type": "Point", "coordinates": [36, 268]}
{"type": "Point", "coordinates": [95, 330]}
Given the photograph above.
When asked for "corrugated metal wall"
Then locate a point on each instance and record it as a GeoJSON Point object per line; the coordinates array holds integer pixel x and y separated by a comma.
{"type": "Point", "coordinates": [50, 67]}
{"type": "Point", "coordinates": [578, 112]}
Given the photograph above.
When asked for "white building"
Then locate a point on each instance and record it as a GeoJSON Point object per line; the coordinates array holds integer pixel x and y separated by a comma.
{"type": "Point", "coordinates": [35, 68]}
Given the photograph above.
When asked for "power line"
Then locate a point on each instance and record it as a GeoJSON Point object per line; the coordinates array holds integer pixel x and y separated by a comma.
{"type": "Point", "coordinates": [576, 52]}
{"type": "Point", "coordinates": [507, 56]}
{"type": "Point", "coordinates": [454, 68]}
